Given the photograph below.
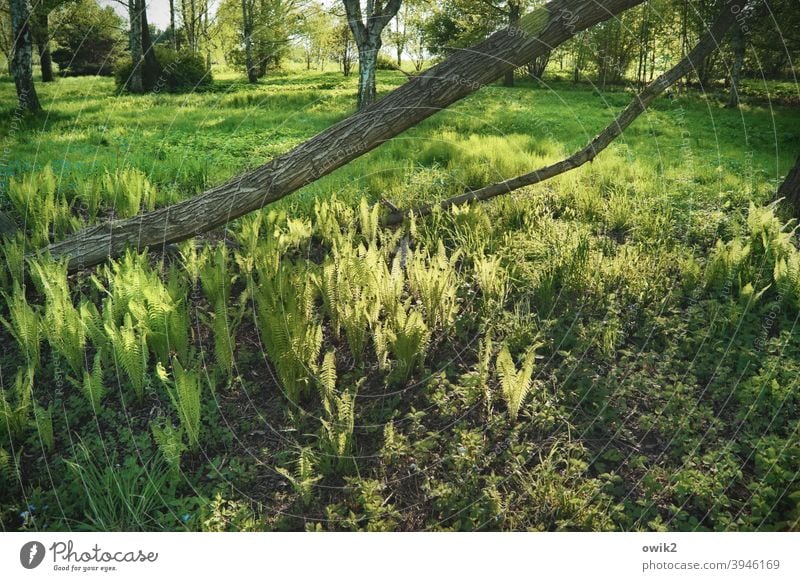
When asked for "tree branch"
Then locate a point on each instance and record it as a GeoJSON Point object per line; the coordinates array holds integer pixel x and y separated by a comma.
{"type": "Point", "coordinates": [459, 75]}
{"type": "Point", "coordinates": [706, 46]}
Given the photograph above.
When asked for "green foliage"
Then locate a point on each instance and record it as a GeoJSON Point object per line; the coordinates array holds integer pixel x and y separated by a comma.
{"type": "Point", "coordinates": [433, 280]}
{"type": "Point", "coordinates": [185, 393]}
{"type": "Point", "coordinates": [338, 421]}
{"type": "Point", "coordinates": [92, 385]}
{"type": "Point", "coordinates": [216, 282]}
{"type": "Point", "coordinates": [65, 330]}
{"type": "Point", "coordinates": [515, 383]}
{"type": "Point", "coordinates": [287, 323]}
{"type": "Point", "coordinates": [304, 477]}
{"type": "Point", "coordinates": [88, 37]}
{"type": "Point", "coordinates": [129, 349]}
{"type": "Point", "coordinates": [43, 421]}
{"type": "Point", "coordinates": [25, 325]}
{"type": "Point", "coordinates": [127, 190]}
{"type": "Point", "coordinates": [170, 443]}
{"type": "Point", "coordinates": [40, 206]}
{"type": "Point", "coordinates": [178, 71]}
{"type": "Point", "coordinates": [15, 404]}
{"type": "Point", "coordinates": [407, 338]}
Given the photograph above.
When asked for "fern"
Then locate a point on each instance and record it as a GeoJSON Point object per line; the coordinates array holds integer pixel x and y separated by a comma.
{"type": "Point", "coordinates": [127, 190]}
{"type": "Point", "coordinates": [170, 443]}
{"type": "Point", "coordinates": [25, 325]}
{"type": "Point", "coordinates": [92, 385]}
{"type": "Point", "coordinates": [304, 477]}
{"type": "Point", "coordinates": [42, 208]}
{"type": "Point", "coordinates": [287, 324]}
{"type": "Point", "coordinates": [492, 279]}
{"type": "Point", "coordinates": [407, 340]}
{"type": "Point", "coordinates": [129, 349]}
{"type": "Point", "coordinates": [433, 280]}
{"type": "Point", "coordinates": [15, 404]}
{"type": "Point", "coordinates": [216, 283]}
{"type": "Point", "coordinates": [65, 330]}
{"type": "Point", "coordinates": [338, 421]}
{"type": "Point", "coordinates": [516, 384]}
{"type": "Point", "coordinates": [43, 420]}
{"type": "Point", "coordinates": [185, 393]}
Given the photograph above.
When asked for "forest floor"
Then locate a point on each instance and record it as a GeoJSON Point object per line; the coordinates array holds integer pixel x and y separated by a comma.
{"type": "Point", "coordinates": [615, 349]}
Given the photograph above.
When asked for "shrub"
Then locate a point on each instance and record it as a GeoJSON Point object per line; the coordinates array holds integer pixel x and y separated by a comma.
{"type": "Point", "coordinates": [178, 71]}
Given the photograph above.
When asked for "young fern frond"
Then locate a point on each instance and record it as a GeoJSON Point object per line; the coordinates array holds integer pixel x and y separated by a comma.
{"type": "Point", "coordinates": [492, 279]}
{"type": "Point", "coordinates": [65, 331]}
{"type": "Point", "coordinates": [515, 384]}
{"type": "Point", "coordinates": [185, 393]}
{"type": "Point", "coordinates": [92, 385]}
{"type": "Point", "coordinates": [434, 281]}
{"type": "Point", "coordinates": [304, 477]}
{"type": "Point", "coordinates": [169, 440]}
{"type": "Point", "coordinates": [25, 325]}
{"type": "Point", "coordinates": [408, 340]}
{"type": "Point", "coordinates": [15, 404]}
{"type": "Point", "coordinates": [129, 348]}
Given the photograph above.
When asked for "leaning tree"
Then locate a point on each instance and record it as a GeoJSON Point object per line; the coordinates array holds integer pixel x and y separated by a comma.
{"type": "Point", "coordinates": [461, 74]}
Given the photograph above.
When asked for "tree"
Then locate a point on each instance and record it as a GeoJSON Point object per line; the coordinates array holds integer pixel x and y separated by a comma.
{"type": "Point", "coordinates": [317, 34]}
{"type": "Point", "coordinates": [87, 38]}
{"type": "Point", "coordinates": [264, 30]}
{"type": "Point", "coordinates": [367, 27]}
{"type": "Point", "coordinates": [437, 88]}
{"type": "Point", "coordinates": [145, 70]}
{"type": "Point", "coordinates": [344, 47]}
{"type": "Point", "coordinates": [22, 56]}
{"type": "Point", "coordinates": [40, 31]}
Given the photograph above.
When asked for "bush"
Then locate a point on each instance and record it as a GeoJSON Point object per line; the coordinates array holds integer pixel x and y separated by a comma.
{"type": "Point", "coordinates": [177, 71]}
{"type": "Point", "coordinates": [385, 63]}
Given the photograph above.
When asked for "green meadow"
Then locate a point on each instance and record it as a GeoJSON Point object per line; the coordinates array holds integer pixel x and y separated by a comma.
{"type": "Point", "coordinates": [614, 349]}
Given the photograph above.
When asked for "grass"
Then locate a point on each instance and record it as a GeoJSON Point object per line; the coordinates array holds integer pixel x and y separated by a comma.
{"type": "Point", "coordinates": [613, 350]}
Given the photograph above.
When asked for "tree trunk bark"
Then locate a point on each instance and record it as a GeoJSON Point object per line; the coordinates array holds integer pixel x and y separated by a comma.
{"type": "Point", "coordinates": [247, 32]}
{"type": "Point", "coordinates": [172, 25]}
{"type": "Point", "coordinates": [790, 189]}
{"type": "Point", "coordinates": [41, 36]}
{"type": "Point", "coordinates": [367, 64]}
{"type": "Point", "coordinates": [707, 45]}
{"type": "Point", "coordinates": [738, 43]}
{"type": "Point", "coordinates": [22, 58]}
{"type": "Point", "coordinates": [135, 84]}
{"type": "Point", "coordinates": [456, 77]}
{"type": "Point", "coordinates": [150, 71]}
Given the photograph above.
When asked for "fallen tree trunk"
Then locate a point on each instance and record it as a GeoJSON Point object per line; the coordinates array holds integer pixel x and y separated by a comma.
{"type": "Point", "coordinates": [707, 45]}
{"type": "Point", "coordinates": [456, 77]}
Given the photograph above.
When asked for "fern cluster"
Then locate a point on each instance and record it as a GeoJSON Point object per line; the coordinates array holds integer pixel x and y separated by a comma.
{"type": "Point", "coordinates": [287, 322]}
{"type": "Point", "coordinates": [15, 404]}
{"type": "Point", "coordinates": [128, 190]}
{"type": "Point", "coordinates": [338, 421]}
{"type": "Point", "coordinates": [304, 478]}
{"type": "Point", "coordinates": [66, 332]}
{"type": "Point", "coordinates": [216, 282]}
{"type": "Point", "coordinates": [25, 325]}
{"type": "Point", "coordinates": [41, 207]}
{"type": "Point", "coordinates": [515, 383]}
{"type": "Point", "coordinates": [434, 281]}
{"type": "Point", "coordinates": [185, 393]}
